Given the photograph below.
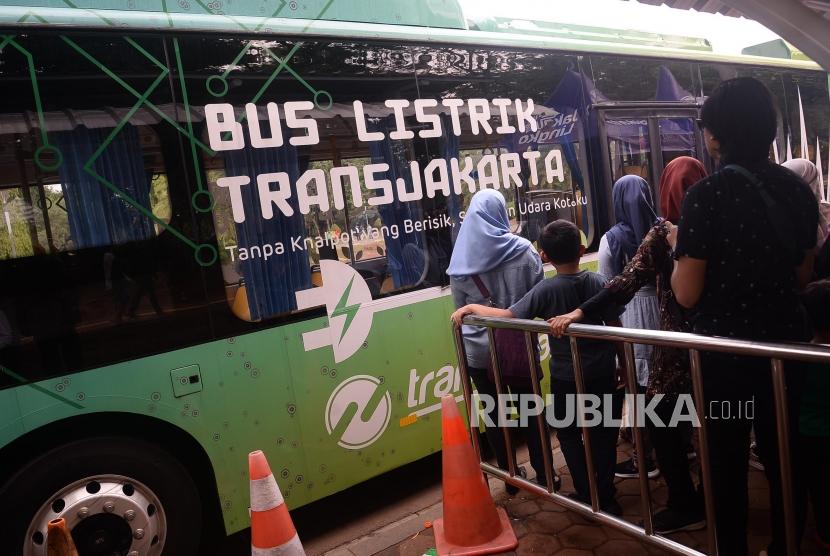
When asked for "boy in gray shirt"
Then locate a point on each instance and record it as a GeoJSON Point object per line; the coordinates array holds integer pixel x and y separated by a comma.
{"type": "Point", "coordinates": [560, 245]}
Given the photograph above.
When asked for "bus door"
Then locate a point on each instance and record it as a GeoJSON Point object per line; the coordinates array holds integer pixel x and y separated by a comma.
{"type": "Point", "coordinates": [643, 138]}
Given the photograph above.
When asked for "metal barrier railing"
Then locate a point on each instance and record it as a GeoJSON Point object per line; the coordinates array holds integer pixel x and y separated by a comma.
{"type": "Point", "coordinates": [776, 352]}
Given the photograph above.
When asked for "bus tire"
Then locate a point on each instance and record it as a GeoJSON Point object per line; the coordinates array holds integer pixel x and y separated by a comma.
{"type": "Point", "coordinates": [136, 473]}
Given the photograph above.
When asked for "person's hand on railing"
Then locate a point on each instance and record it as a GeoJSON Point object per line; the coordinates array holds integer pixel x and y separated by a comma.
{"type": "Point", "coordinates": [481, 310]}
{"type": "Point", "coordinates": [559, 324]}
{"type": "Point", "coordinates": [459, 314]}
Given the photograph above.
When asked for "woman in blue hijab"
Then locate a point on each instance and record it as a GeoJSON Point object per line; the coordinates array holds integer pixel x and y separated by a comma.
{"type": "Point", "coordinates": [635, 215]}
{"type": "Point", "coordinates": [634, 212]}
{"type": "Point", "coordinates": [507, 267]}
{"type": "Point", "coordinates": [485, 240]}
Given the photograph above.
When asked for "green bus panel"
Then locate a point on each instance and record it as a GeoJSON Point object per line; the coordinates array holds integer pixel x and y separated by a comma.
{"type": "Point", "coordinates": [264, 391]}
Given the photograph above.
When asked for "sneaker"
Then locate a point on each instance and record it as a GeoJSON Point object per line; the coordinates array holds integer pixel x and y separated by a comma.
{"type": "Point", "coordinates": [670, 521]}
{"type": "Point", "coordinates": [628, 469]}
{"type": "Point", "coordinates": [557, 483]}
{"type": "Point", "coordinates": [754, 458]}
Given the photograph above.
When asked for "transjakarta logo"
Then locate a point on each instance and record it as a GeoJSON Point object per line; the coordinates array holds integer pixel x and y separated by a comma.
{"type": "Point", "coordinates": [344, 293]}
{"type": "Point", "coordinates": [359, 409]}
{"type": "Point", "coordinates": [445, 380]}
{"type": "Point", "coordinates": [358, 412]}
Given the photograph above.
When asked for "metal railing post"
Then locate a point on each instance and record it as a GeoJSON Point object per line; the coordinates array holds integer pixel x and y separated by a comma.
{"type": "Point", "coordinates": [461, 353]}
{"type": "Point", "coordinates": [782, 421]}
{"type": "Point", "coordinates": [535, 379]}
{"type": "Point", "coordinates": [579, 381]}
{"type": "Point", "coordinates": [639, 444]}
{"type": "Point", "coordinates": [508, 441]}
{"type": "Point", "coordinates": [705, 468]}
{"type": "Point", "coordinates": [776, 352]}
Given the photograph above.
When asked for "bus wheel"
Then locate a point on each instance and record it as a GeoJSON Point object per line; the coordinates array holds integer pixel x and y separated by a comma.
{"type": "Point", "coordinates": [117, 495]}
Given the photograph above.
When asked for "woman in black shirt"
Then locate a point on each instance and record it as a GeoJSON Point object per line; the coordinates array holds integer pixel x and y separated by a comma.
{"type": "Point", "coordinates": [744, 248]}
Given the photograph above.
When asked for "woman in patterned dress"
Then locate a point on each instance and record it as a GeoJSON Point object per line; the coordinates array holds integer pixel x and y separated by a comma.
{"type": "Point", "coordinates": [669, 375]}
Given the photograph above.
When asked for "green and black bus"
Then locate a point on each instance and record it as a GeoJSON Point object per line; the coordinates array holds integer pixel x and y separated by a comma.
{"type": "Point", "coordinates": [226, 227]}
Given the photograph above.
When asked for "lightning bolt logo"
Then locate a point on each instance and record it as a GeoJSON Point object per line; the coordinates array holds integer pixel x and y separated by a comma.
{"type": "Point", "coordinates": [353, 302]}
{"type": "Point", "coordinates": [342, 309]}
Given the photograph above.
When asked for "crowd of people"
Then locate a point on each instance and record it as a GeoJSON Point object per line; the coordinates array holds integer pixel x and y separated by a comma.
{"type": "Point", "coordinates": [741, 253]}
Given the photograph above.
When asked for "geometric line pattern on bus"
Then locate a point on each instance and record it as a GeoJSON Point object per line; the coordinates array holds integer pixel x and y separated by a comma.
{"type": "Point", "coordinates": [22, 380]}
{"type": "Point", "coordinates": [142, 100]}
{"type": "Point", "coordinates": [202, 200]}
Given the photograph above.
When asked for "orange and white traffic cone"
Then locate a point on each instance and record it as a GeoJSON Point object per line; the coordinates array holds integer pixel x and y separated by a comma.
{"type": "Point", "coordinates": [272, 531]}
{"type": "Point", "coordinates": [59, 540]}
{"type": "Point", "coordinates": [471, 523]}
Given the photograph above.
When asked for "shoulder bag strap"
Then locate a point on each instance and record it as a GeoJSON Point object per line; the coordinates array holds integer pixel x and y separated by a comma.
{"type": "Point", "coordinates": [483, 289]}
{"type": "Point", "coordinates": [782, 225]}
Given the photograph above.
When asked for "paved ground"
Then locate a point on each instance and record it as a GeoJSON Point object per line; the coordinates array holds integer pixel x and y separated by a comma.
{"type": "Point", "coordinates": [351, 514]}
{"type": "Point", "coordinates": [386, 517]}
{"type": "Point", "coordinates": [544, 527]}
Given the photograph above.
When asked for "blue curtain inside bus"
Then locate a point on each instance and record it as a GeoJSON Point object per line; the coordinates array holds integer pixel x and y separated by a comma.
{"type": "Point", "coordinates": [449, 150]}
{"type": "Point", "coordinates": [405, 255]}
{"type": "Point", "coordinates": [270, 284]}
{"type": "Point", "coordinates": [573, 96]}
{"type": "Point", "coordinates": [668, 89]}
{"type": "Point", "coordinates": [97, 215]}
{"type": "Point", "coordinates": [562, 125]}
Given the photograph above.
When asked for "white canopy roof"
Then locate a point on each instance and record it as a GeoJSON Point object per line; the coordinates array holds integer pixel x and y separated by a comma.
{"type": "Point", "coordinates": [794, 20]}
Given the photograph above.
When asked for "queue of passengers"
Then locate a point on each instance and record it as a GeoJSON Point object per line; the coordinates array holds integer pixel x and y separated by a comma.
{"type": "Point", "coordinates": [739, 254]}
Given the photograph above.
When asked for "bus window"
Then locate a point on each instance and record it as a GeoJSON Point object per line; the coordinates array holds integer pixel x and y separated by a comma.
{"type": "Point", "coordinates": [327, 223]}
{"type": "Point", "coordinates": [637, 79]}
{"type": "Point", "coordinates": [811, 87]}
{"type": "Point", "coordinates": [562, 199]}
{"type": "Point", "coordinates": [550, 180]}
{"type": "Point", "coordinates": [785, 87]}
{"type": "Point", "coordinates": [322, 168]}
{"type": "Point", "coordinates": [77, 255]}
{"type": "Point", "coordinates": [629, 148]}
{"type": "Point", "coordinates": [464, 197]}
{"type": "Point", "coordinates": [677, 138]}
{"type": "Point", "coordinates": [86, 196]}
{"type": "Point", "coordinates": [54, 211]}
{"type": "Point", "coordinates": [713, 74]}
{"type": "Point", "coordinates": [365, 245]}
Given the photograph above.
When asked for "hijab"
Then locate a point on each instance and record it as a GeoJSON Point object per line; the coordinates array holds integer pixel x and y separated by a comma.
{"type": "Point", "coordinates": [485, 241]}
{"type": "Point", "coordinates": [678, 176]}
{"type": "Point", "coordinates": [634, 211]}
{"type": "Point", "coordinates": [807, 171]}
